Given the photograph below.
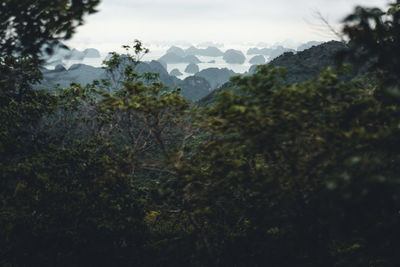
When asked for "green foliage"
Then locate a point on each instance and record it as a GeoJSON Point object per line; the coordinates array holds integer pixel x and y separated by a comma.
{"type": "Point", "coordinates": [77, 193]}
{"type": "Point", "coordinates": [26, 26]}
{"type": "Point", "coordinates": [374, 37]}
{"type": "Point", "coordinates": [125, 172]}
{"type": "Point", "coordinates": [73, 206]}
{"type": "Point", "coordinates": [294, 172]}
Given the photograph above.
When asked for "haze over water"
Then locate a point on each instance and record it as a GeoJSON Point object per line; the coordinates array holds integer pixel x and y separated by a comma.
{"type": "Point", "coordinates": [119, 22]}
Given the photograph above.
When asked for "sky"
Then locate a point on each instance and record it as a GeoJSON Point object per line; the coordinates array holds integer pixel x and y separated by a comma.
{"type": "Point", "coordinates": [220, 21]}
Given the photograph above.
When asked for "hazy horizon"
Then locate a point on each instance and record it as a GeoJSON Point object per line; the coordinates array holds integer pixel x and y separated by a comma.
{"type": "Point", "coordinates": [172, 21]}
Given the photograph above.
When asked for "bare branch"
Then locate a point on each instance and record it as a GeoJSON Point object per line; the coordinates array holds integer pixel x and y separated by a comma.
{"type": "Point", "coordinates": [323, 25]}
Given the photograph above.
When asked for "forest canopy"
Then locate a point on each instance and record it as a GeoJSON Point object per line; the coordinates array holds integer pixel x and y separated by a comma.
{"type": "Point", "coordinates": [126, 172]}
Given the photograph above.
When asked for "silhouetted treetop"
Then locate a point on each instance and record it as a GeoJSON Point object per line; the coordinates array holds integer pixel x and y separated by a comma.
{"type": "Point", "coordinates": [26, 25]}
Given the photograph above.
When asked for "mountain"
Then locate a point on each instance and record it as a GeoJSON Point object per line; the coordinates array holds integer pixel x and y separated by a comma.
{"type": "Point", "coordinates": [78, 73]}
{"type": "Point", "coordinates": [253, 68]}
{"type": "Point", "coordinates": [163, 63]}
{"type": "Point", "coordinates": [172, 58]}
{"type": "Point", "coordinates": [194, 88]}
{"type": "Point", "coordinates": [307, 64]}
{"type": "Point", "coordinates": [177, 51]}
{"type": "Point", "coordinates": [75, 55]}
{"type": "Point", "coordinates": [300, 67]}
{"type": "Point", "coordinates": [308, 45]}
{"type": "Point", "coordinates": [270, 52]}
{"type": "Point", "coordinates": [257, 60]}
{"type": "Point", "coordinates": [232, 56]}
{"type": "Point", "coordinates": [59, 68]}
{"type": "Point", "coordinates": [63, 53]}
{"type": "Point", "coordinates": [209, 99]}
{"type": "Point", "coordinates": [216, 77]}
{"type": "Point", "coordinates": [156, 67]}
{"type": "Point", "coordinates": [192, 68]}
{"type": "Point", "coordinates": [91, 53]}
{"type": "Point", "coordinates": [175, 72]}
{"type": "Point", "coordinates": [208, 52]}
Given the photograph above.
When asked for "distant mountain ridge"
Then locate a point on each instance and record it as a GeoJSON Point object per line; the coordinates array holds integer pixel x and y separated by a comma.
{"type": "Point", "coordinates": [271, 53]}
{"type": "Point", "coordinates": [233, 56]}
{"type": "Point", "coordinates": [176, 55]}
{"type": "Point", "coordinates": [63, 53]}
{"type": "Point", "coordinates": [192, 68]}
{"type": "Point", "coordinates": [175, 72]}
{"type": "Point", "coordinates": [172, 58]}
{"type": "Point", "coordinates": [307, 64]}
{"type": "Point", "coordinates": [257, 60]}
{"type": "Point", "coordinates": [300, 67]}
{"type": "Point", "coordinates": [215, 76]}
{"type": "Point", "coordinates": [193, 88]}
{"type": "Point", "coordinates": [210, 51]}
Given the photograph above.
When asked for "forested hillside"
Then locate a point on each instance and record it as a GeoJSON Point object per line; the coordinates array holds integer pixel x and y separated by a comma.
{"type": "Point", "coordinates": [123, 171]}
{"type": "Point", "coordinates": [300, 67]}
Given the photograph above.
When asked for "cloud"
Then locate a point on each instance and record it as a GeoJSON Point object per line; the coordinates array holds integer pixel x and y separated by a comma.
{"type": "Point", "coordinates": [215, 20]}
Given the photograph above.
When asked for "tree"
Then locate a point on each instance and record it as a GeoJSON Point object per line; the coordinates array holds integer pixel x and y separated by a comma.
{"type": "Point", "coordinates": [28, 26]}
{"type": "Point", "coordinates": [91, 196]}
{"type": "Point", "coordinates": [374, 39]}
{"type": "Point", "coordinates": [304, 174]}
{"type": "Point", "coordinates": [73, 206]}
{"type": "Point", "coordinates": [124, 171]}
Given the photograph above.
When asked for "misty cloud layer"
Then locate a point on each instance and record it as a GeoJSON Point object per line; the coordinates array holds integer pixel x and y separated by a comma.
{"type": "Point", "coordinates": [121, 21]}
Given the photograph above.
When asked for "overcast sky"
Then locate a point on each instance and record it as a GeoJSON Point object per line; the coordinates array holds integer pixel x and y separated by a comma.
{"type": "Point", "coordinates": [227, 21]}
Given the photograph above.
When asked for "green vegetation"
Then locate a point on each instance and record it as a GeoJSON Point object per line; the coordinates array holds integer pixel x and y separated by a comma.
{"type": "Point", "coordinates": [126, 172]}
